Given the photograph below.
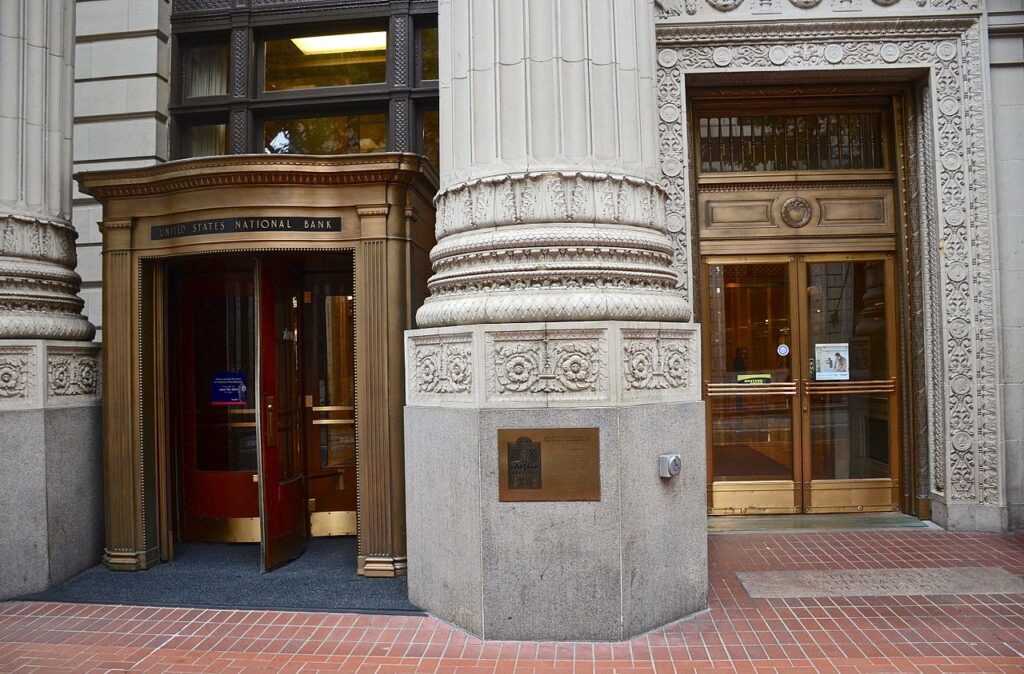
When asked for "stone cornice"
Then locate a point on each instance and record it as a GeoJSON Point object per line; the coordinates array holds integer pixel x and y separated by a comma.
{"type": "Point", "coordinates": [252, 170]}
{"type": "Point", "coordinates": [696, 34]}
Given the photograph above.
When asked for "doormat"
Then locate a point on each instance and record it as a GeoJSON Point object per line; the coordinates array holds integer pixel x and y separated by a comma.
{"type": "Point", "coordinates": [227, 575]}
{"type": "Point", "coordinates": [880, 582]}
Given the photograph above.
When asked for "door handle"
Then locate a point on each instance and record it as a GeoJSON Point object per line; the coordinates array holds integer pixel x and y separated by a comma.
{"type": "Point", "coordinates": [271, 422]}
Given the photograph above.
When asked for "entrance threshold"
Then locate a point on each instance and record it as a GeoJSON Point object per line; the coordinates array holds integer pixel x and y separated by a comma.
{"type": "Point", "coordinates": [227, 576]}
{"type": "Point", "coordinates": [734, 524]}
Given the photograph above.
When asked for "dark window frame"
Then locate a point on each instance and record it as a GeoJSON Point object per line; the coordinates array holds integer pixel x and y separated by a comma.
{"type": "Point", "coordinates": [246, 30]}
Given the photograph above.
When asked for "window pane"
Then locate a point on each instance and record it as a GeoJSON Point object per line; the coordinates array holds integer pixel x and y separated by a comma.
{"type": "Point", "coordinates": [431, 138]}
{"type": "Point", "coordinates": [428, 71]}
{"type": "Point", "coordinates": [326, 61]}
{"type": "Point", "coordinates": [206, 140]}
{"type": "Point", "coordinates": [792, 143]}
{"type": "Point", "coordinates": [207, 71]}
{"type": "Point", "coordinates": [346, 134]}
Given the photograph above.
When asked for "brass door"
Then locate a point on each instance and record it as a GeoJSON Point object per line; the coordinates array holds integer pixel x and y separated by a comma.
{"type": "Point", "coordinates": [800, 383]}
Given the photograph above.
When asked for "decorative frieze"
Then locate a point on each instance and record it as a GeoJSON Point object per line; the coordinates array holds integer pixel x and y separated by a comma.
{"type": "Point", "coordinates": [535, 365]}
{"type": "Point", "coordinates": [955, 248]}
{"type": "Point", "coordinates": [682, 9]}
{"type": "Point", "coordinates": [35, 374]}
{"type": "Point", "coordinates": [440, 366]}
{"type": "Point", "coordinates": [72, 373]}
{"type": "Point", "coordinates": [17, 374]}
{"type": "Point", "coordinates": [659, 360]}
{"type": "Point", "coordinates": [553, 364]}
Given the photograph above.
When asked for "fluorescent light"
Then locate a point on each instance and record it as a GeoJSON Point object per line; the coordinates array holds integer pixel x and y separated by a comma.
{"type": "Point", "coordinates": [340, 44]}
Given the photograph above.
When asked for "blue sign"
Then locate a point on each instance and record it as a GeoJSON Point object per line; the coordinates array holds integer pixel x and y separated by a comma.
{"type": "Point", "coordinates": [230, 387]}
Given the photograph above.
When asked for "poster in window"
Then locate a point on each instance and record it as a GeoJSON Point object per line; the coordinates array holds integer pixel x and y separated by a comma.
{"type": "Point", "coordinates": [832, 361]}
{"type": "Point", "coordinates": [229, 388]}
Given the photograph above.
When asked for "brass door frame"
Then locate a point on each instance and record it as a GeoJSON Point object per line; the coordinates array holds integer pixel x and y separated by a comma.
{"type": "Point", "coordinates": [808, 388]}
{"type": "Point", "coordinates": [766, 496]}
{"type": "Point", "coordinates": [776, 496]}
{"type": "Point", "coordinates": [385, 205]}
{"type": "Point", "coordinates": [891, 100]}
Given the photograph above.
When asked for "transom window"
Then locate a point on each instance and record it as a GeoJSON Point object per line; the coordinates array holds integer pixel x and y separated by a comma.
{"type": "Point", "coordinates": [791, 142]}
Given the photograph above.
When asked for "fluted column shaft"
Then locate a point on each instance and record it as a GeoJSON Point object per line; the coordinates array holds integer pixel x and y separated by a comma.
{"type": "Point", "coordinates": [549, 208]}
{"type": "Point", "coordinates": [38, 285]}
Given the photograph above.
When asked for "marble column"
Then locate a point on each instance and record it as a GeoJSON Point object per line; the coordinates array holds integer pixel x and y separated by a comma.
{"type": "Point", "coordinates": [50, 473]}
{"type": "Point", "coordinates": [549, 208]}
{"type": "Point", "coordinates": [553, 306]}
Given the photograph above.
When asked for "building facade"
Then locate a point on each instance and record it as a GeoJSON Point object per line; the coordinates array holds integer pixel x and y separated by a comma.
{"type": "Point", "coordinates": [830, 187]}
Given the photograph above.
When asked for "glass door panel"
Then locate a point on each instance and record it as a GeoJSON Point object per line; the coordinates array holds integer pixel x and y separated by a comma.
{"type": "Point", "coordinates": [750, 390]}
{"type": "Point", "coordinates": [330, 402]}
{"type": "Point", "coordinates": [212, 313]}
{"type": "Point", "coordinates": [849, 384]}
{"type": "Point", "coordinates": [800, 384]}
{"type": "Point", "coordinates": [282, 488]}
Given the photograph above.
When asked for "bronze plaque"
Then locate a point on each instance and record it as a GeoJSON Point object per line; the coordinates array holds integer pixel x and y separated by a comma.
{"type": "Point", "coordinates": [549, 464]}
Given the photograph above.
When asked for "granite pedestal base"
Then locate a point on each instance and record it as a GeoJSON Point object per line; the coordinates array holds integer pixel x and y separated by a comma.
{"type": "Point", "coordinates": [600, 570]}
{"type": "Point", "coordinates": [51, 464]}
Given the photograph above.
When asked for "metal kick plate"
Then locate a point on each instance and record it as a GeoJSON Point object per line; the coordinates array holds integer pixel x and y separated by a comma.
{"type": "Point", "coordinates": [549, 464]}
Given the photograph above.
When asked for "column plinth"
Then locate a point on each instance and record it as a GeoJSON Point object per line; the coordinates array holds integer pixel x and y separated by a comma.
{"type": "Point", "coordinates": [553, 305]}
{"type": "Point", "coordinates": [49, 369]}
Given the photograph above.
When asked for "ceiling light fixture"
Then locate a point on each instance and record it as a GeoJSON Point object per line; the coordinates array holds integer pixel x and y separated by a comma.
{"type": "Point", "coordinates": [343, 43]}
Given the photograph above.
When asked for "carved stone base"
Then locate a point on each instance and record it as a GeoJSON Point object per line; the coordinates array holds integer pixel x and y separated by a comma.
{"type": "Point", "coordinates": [557, 570]}
{"type": "Point", "coordinates": [970, 517]}
{"type": "Point", "coordinates": [51, 464]}
{"type": "Point", "coordinates": [553, 364]}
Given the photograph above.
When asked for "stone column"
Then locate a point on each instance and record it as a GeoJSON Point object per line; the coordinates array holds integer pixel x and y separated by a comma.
{"type": "Point", "coordinates": [50, 473]}
{"type": "Point", "coordinates": [553, 306]}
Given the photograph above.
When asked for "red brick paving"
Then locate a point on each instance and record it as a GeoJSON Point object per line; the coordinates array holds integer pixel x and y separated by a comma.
{"type": "Point", "coordinates": [963, 633]}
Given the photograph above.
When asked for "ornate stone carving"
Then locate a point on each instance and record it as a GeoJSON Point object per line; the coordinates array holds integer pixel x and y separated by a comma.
{"type": "Point", "coordinates": [72, 374]}
{"type": "Point", "coordinates": [569, 365]}
{"type": "Point", "coordinates": [653, 359]}
{"type": "Point", "coordinates": [399, 43]}
{"type": "Point", "coordinates": [17, 374]}
{"type": "Point", "coordinates": [796, 212]}
{"type": "Point", "coordinates": [441, 365]}
{"type": "Point", "coordinates": [542, 364]}
{"type": "Point", "coordinates": [725, 5]}
{"type": "Point", "coordinates": [552, 246]}
{"type": "Point", "coordinates": [951, 49]}
{"type": "Point", "coordinates": [38, 289]}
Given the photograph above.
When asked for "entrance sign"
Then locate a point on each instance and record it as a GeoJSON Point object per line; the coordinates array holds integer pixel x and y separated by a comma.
{"type": "Point", "coordinates": [549, 464]}
{"type": "Point", "coordinates": [256, 225]}
{"type": "Point", "coordinates": [832, 361]}
{"type": "Point", "coordinates": [755, 378]}
{"type": "Point", "coordinates": [230, 387]}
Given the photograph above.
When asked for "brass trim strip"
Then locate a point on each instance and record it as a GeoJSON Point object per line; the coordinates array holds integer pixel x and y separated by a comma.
{"type": "Point", "coordinates": [840, 388]}
{"type": "Point", "coordinates": [333, 422]}
{"type": "Point", "coordinates": [333, 408]}
{"type": "Point", "coordinates": [789, 389]}
{"type": "Point", "coordinates": [332, 523]}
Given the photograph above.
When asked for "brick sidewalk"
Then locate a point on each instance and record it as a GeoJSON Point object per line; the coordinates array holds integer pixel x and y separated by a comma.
{"type": "Point", "coordinates": [962, 633]}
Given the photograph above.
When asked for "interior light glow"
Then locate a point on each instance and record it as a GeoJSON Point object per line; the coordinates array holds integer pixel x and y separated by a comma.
{"type": "Point", "coordinates": [343, 43]}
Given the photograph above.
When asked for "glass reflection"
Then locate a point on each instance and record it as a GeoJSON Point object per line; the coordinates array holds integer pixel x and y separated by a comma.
{"type": "Point", "coordinates": [752, 437]}
{"type": "Point", "coordinates": [749, 323]}
{"type": "Point", "coordinates": [849, 436]}
{"type": "Point", "coordinates": [428, 65]}
{"type": "Point", "coordinates": [325, 61]}
{"type": "Point", "coordinates": [846, 312]}
{"type": "Point", "coordinates": [225, 436]}
{"type": "Point", "coordinates": [345, 134]}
